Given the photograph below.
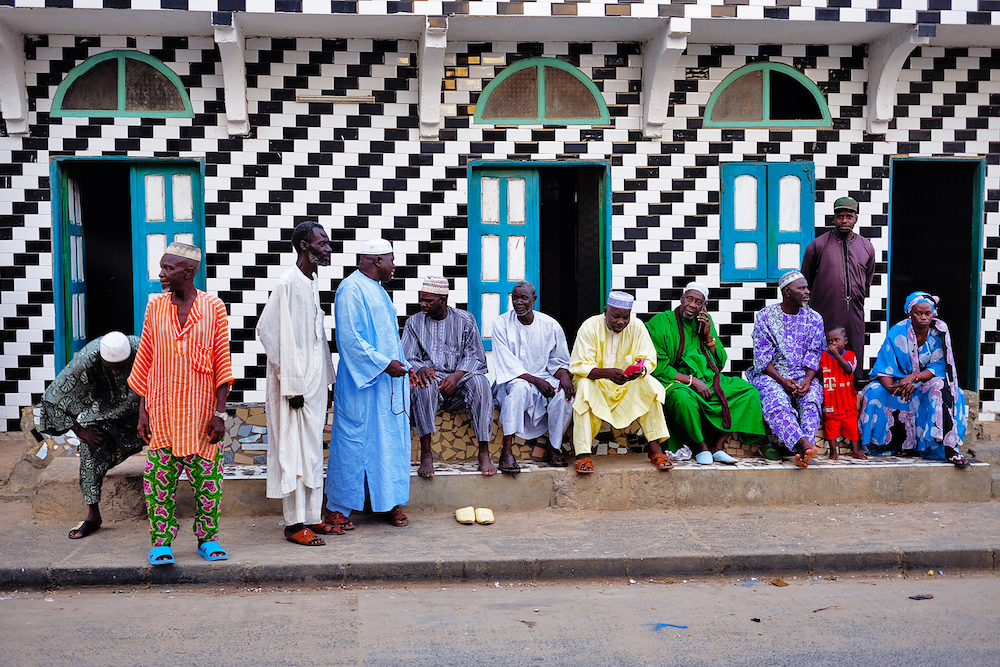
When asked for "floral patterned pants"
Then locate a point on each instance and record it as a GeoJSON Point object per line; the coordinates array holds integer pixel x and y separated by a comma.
{"type": "Point", "coordinates": [159, 483]}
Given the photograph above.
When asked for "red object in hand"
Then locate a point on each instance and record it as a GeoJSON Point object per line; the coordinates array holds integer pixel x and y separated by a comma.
{"type": "Point", "coordinates": [635, 370]}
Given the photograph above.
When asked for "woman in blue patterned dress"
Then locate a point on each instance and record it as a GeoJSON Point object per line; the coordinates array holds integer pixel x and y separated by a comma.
{"type": "Point", "coordinates": [914, 383]}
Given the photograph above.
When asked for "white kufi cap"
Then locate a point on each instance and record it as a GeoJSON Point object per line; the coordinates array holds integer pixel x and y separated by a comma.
{"type": "Point", "coordinates": [115, 347]}
{"type": "Point", "coordinates": [697, 287]}
{"type": "Point", "coordinates": [376, 247]}
{"type": "Point", "coordinates": [621, 300]}
{"type": "Point", "coordinates": [789, 278]}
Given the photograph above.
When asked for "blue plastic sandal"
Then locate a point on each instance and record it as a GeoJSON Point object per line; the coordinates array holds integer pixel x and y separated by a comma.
{"type": "Point", "coordinates": [156, 552]}
{"type": "Point", "coordinates": [207, 549]}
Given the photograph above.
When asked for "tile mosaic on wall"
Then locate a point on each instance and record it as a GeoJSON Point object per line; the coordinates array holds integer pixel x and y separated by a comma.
{"type": "Point", "coordinates": [362, 170]}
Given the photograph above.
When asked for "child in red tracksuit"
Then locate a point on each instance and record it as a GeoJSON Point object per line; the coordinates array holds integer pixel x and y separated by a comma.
{"type": "Point", "coordinates": [840, 398]}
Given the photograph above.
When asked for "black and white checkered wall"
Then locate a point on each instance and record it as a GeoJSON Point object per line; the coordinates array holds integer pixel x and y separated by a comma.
{"type": "Point", "coordinates": [362, 170]}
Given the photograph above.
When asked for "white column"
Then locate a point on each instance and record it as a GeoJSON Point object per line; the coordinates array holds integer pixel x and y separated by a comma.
{"type": "Point", "coordinates": [659, 60]}
{"type": "Point", "coordinates": [13, 94]}
{"type": "Point", "coordinates": [230, 41]}
{"type": "Point", "coordinates": [430, 67]}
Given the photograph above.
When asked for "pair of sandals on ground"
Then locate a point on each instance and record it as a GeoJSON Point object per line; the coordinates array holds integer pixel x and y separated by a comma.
{"type": "Point", "coordinates": [209, 550]}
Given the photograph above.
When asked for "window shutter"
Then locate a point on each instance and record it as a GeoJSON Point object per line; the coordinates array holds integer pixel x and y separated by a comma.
{"type": "Point", "coordinates": [743, 236]}
{"type": "Point", "coordinates": [503, 241]}
{"type": "Point", "coordinates": [791, 188]}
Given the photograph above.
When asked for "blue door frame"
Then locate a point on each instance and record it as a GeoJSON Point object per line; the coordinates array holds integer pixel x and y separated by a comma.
{"type": "Point", "coordinates": [65, 343]}
{"type": "Point", "coordinates": [976, 292]}
{"type": "Point", "coordinates": [476, 168]}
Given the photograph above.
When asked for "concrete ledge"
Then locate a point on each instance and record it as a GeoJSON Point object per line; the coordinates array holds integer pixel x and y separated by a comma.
{"type": "Point", "coordinates": [622, 482]}
{"type": "Point", "coordinates": [57, 494]}
{"type": "Point", "coordinates": [402, 571]}
{"type": "Point", "coordinates": [921, 560]}
{"type": "Point", "coordinates": [855, 561]}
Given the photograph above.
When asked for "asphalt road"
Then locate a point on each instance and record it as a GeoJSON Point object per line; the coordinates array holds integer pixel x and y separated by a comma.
{"type": "Point", "coordinates": [862, 620]}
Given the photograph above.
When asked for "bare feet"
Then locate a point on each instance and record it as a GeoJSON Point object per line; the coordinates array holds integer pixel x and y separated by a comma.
{"type": "Point", "coordinates": [486, 465]}
{"type": "Point", "coordinates": [834, 454]}
{"type": "Point", "coordinates": [804, 450]}
{"type": "Point", "coordinates": [856, 451]}
{"type": "Point", "coordinates": [426, 468]}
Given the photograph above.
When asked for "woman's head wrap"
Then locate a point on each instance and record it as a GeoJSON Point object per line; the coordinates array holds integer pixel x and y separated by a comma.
{"type": "Point", "coordinates": [921, 297]}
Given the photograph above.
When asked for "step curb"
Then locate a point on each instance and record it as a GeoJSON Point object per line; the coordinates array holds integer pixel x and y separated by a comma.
{"type": "Point", "coordinates": [229, 573]}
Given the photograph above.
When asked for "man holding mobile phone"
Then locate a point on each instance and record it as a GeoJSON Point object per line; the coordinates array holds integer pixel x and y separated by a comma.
{"type": "Point", "coordinates": [703, 407]}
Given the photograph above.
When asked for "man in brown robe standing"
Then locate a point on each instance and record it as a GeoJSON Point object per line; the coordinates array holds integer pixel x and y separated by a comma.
{"type": "Point", "coordinates": [839, 266]}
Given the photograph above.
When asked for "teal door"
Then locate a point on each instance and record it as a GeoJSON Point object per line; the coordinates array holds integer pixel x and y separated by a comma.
{"type": "Point", "coordinates": [503, 241]}
{"type": "Point", "coordinates": [167, 206]}
{"type": "Point", "coordinates": [112, 220]}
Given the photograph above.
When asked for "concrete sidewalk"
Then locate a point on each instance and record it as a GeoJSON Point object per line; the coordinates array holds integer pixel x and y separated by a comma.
{"type": "Point", "coordinates": [523, 546]}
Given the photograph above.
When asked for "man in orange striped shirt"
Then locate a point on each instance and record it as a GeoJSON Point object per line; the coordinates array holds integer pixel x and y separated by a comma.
{"type": "Point", "coordinates": [182, 372]}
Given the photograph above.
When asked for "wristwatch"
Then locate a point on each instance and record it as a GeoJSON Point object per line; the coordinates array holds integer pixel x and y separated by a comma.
{"type": "Point", "coordinates": [222, 415]}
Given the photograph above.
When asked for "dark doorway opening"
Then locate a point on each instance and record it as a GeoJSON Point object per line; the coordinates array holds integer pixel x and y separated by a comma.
{"type": "Point", "coordinates": [106, 211]}
{"type": "Point", "coordinates": [935, 247]}
{"type": "Point", "coordinates": [570, 218]}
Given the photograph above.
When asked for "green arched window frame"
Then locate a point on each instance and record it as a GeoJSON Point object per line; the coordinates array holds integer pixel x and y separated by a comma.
{"type": "Point", "coordinates": [767, 68]}
{"type": "Point", "coordinates": [541, 63]}
{"type": "Point", "coordinates": [121, 57]}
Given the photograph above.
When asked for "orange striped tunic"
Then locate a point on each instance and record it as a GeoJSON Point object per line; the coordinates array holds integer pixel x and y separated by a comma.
{"type": "Point", "coordinates": [178, 370]}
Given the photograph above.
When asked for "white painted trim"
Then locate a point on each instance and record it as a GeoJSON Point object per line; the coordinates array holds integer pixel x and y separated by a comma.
{"type": "Point", "coordinates": [433, 42]}
{"type": "Point", "coordinates": [333, 99]}
{"type": "Point", "coordinates": [13, 94]}
{"type": "Point", "coordinates": [231, 43]}
{"type": "Point", "coordinates": [886, 56]}
{"type": "Point", "coordinates": [659, 61]}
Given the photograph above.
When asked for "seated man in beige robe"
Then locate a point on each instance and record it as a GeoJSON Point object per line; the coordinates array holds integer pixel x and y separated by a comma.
{"type": "Point", "coordinates": [612, 362]}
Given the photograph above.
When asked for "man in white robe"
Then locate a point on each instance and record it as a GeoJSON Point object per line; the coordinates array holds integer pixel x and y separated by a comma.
{"type": "Point", "coordinates": [533, 385]}
{"type": "Point", "coordinates": [612, 362]}
{"type": "Point", "coordinates": [299, 373]}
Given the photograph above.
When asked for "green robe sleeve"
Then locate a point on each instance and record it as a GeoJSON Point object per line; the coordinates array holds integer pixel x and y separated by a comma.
{"type": "Point", "coordinates": [663, 332]}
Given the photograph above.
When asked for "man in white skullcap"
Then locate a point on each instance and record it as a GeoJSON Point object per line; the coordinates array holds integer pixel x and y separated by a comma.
{"type": "Point", "coordinates": [183, 372]}
{"type": "Point", "coordinates": [370, 441]}
{"type": "Point", "coordinates": [702, 406]}
{"type": "Point", "coordinates": [448, 370]}
{"type": "Point", "coordinates": [532, 386]}
{"type": "Point", "coordinates": [788, 339]}
{"type": "Point", "coordinates": [611, 364]}
{"type": "Point", "coordinates": [91, 397]}
{"type": "Point", "coordinates": [299, 374]}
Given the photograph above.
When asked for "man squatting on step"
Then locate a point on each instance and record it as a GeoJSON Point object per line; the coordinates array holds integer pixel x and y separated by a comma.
{"type": "Point", "coordinates": [92, 398]}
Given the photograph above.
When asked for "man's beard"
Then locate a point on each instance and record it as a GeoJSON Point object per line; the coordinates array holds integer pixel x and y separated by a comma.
{"type": "Point", "coordinates": [318, 261]}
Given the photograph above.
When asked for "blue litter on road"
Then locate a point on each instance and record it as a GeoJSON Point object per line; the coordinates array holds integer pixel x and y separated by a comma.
{"type": "Point", "coordinates": [660, 626]}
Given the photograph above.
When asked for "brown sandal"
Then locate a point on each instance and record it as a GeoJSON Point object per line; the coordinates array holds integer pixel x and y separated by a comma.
{"type": "Point", "coordinates": [306, 538]}
{"type": "Point", "coordinates": [327, 529]}
{"type": "Point", "coordinates": [397, 518]}
{"type": "Point", "coordinates": [661, 461]}
{"type": "Point", "coordinates": [338, 519]}
{"type": "Point", "coordinates": [585, 465]}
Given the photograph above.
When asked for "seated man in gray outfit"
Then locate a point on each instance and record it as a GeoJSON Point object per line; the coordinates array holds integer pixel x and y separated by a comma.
{"type": "Point", "coordinates": [447, 369]}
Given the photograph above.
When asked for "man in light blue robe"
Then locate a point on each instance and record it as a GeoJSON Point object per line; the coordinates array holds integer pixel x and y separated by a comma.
{"type": "Point", "coordinates": [370, 442]}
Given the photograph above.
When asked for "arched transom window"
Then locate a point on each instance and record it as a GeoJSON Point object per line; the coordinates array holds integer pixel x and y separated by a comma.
{"type": "Point", "coordinates": [121, 83]}
{"type": "Point", "coordinates": [544, 91]}
{"type": "Point", "coordinates": [767, 95]}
